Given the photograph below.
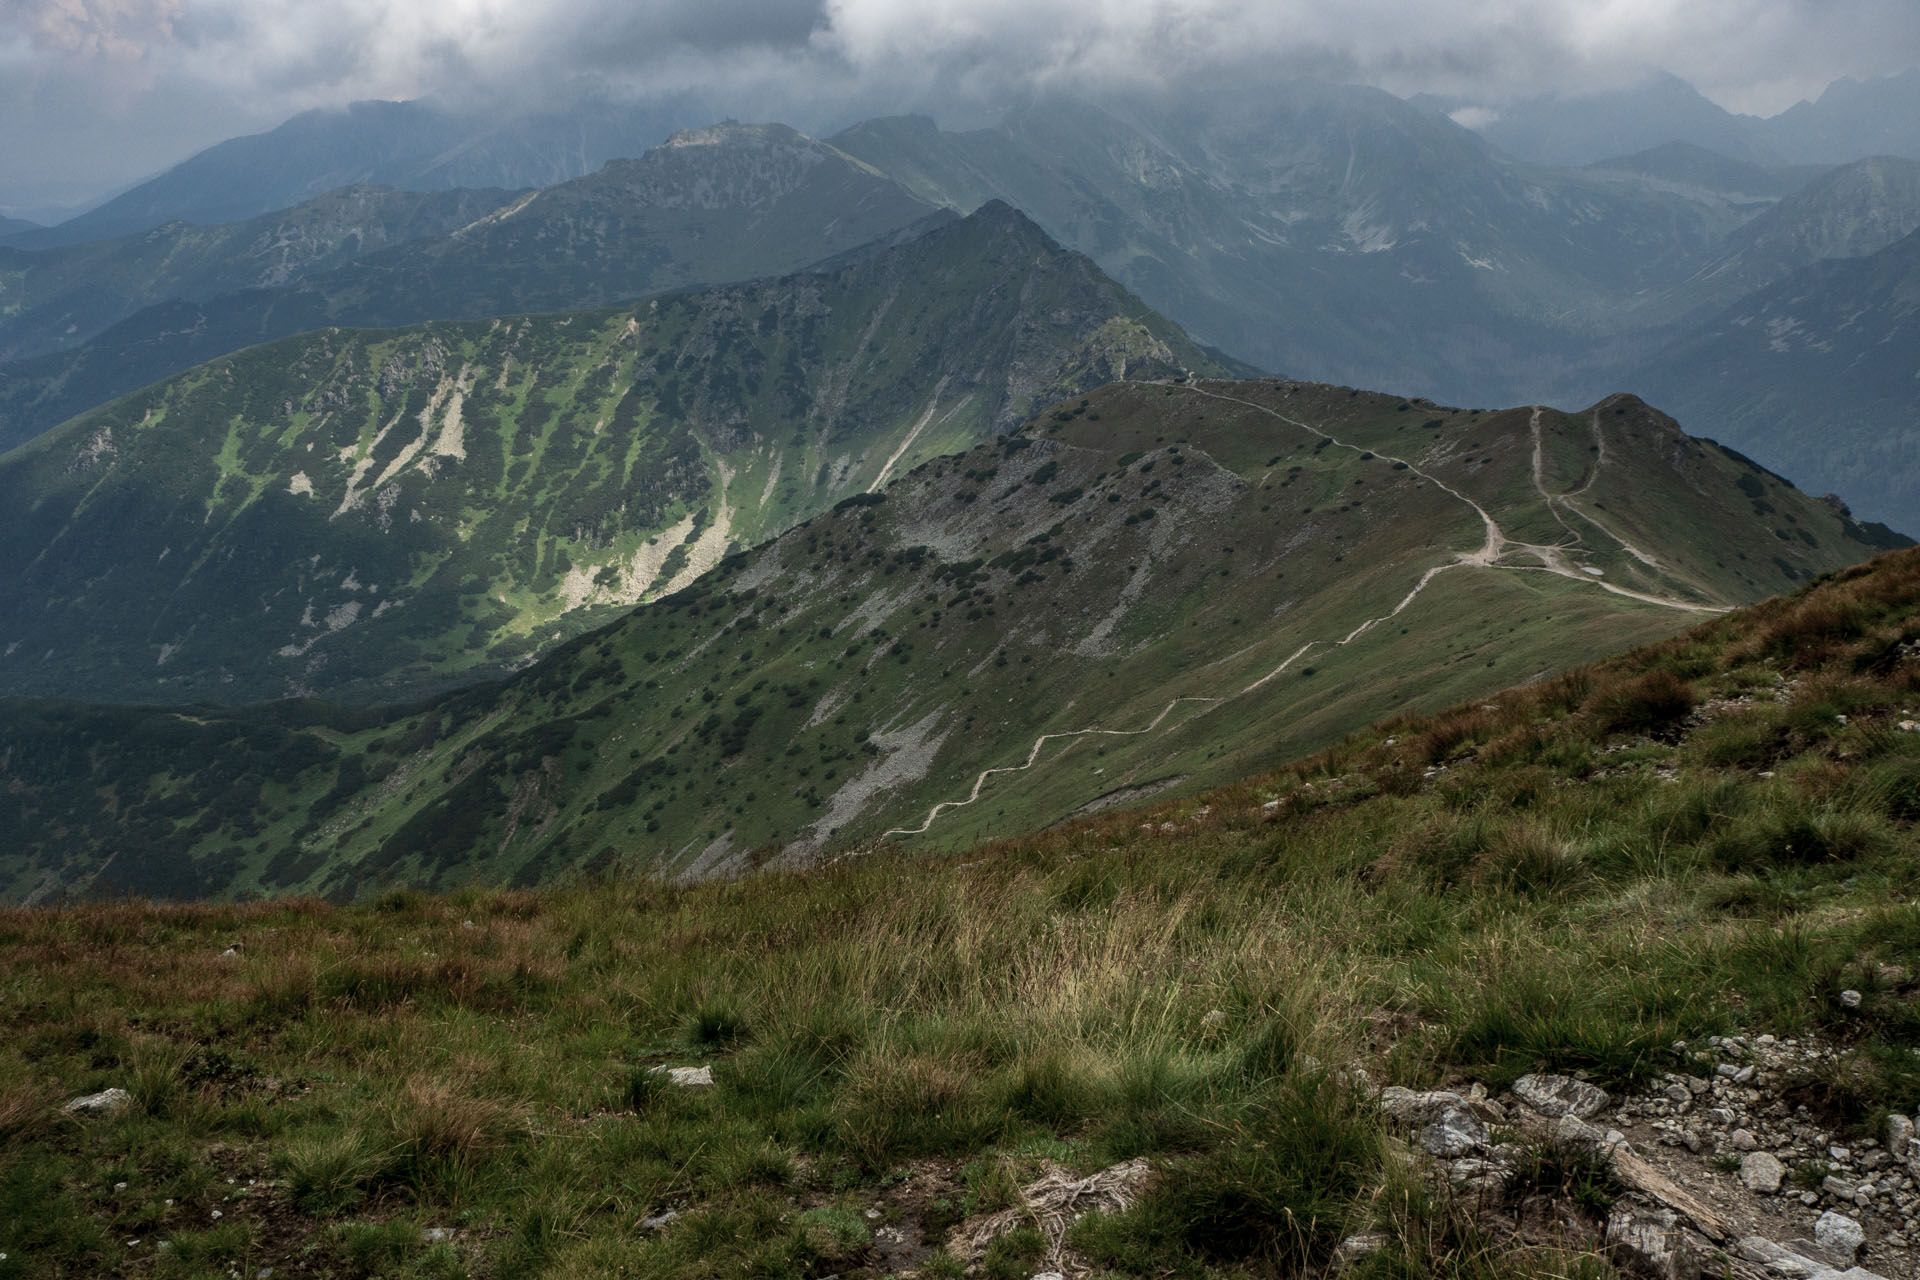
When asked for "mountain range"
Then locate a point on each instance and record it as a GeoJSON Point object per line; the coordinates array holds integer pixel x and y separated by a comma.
{"type": "Point", "coordinates": [414, 146]}
{"type": "Point", "coordinates": [60, 298]}
{"type": "Point", "coordinates": [795, 725]}
{"type": "Point", "coordinates": [1320, 231]}
{"type": "Point", "coordinates": [1155, 585]}
{"type": "Point", "coordinates": [1851, 120]}
{"type": "Point", "coordinates": [728, 203]}
{"type": "Point", "coordinates": [1816, 372]}
{"type": "Point", "coordinates": [369, 514]}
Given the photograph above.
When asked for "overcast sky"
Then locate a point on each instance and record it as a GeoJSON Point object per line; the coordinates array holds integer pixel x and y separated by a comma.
{"type": "Point", "coordinates": [99, 93]}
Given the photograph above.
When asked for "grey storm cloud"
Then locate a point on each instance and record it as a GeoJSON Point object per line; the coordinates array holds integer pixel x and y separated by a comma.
{"type": "Point", "coordinates": [125, 86]}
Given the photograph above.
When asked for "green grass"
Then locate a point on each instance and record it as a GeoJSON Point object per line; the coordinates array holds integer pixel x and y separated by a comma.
{"type": "Point", "coordinates": [913, 1037]}
{"type": "Point", "coordinates": [832, 686]}
{"type": "Point", "coordinates": [456, 548]}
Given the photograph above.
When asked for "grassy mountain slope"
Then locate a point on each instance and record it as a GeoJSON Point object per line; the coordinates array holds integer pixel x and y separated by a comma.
{"type": "Point", "coordinates": [1712, 836]}
{"type": "Point", "coordinates": [730, 203]}
{"type": "Point", "coordinates": [371, 514]}
{"type": "Point", "coordinates": [1159, 585]}
{"type": "Point", "coordinates": [1816, 374]}
{"type": "Point", "coordinates": [56, 299]}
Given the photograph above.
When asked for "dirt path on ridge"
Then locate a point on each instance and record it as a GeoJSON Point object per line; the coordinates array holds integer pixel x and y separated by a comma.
{"type": "Point", "coordinates": [1487, 556]}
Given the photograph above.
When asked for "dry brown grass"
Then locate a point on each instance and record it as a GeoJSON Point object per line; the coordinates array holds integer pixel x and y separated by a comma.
{"type": "Point", "coordinates": [1645, 703]}
{"type": "Point", "coordinates": [444, 1119]}
{"type": "Point", "coordinates": [26, 1110]}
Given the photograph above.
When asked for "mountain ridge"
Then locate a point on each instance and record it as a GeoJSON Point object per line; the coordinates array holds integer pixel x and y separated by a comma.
{"type": "Point", "coordinates": [1812, 372]}
{"type": "Point", "coordinates": [415, 145]}
{"type": "Point", "coordinates": [67, 301]}
{"type": "Point", "coordinates": [1155, 586]}
{"type": "Point", "coordinates": [364, 512]}
{"type": "Point", "coordinates": [751, 201]}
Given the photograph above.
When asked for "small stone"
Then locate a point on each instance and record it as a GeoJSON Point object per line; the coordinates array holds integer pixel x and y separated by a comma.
{"type": "Point", "coordinates": [1839, 1153]}
{"type": "Point", "coordinates": [1785, 1263]}
{"type": "Point", "coordinates": [1761, 1173]}
{"type": "Point", "coordinates": [1839, 1235]}
{"type": "Point", "coordinates": [686, 1077]}
{"type": "Point", "coordinates": [1850, 998]}
{"type": "Point", "coordinates": [436, 1235]}
{"type": "Point", "coordinates": [1456, 1132]}
{"type": "Point", "coordinates": [1743, 1140]}
{"type": "Point", "coordinates": [1837, 1188]}
{"type": "Point", "coordinates": [1809, 1199]}
{"type": "Point", "coordinates": [1743, 1075]}
{"type": "Point", "coordinates": [659, 1220]}
{"type": "Point", "coordinates": [1651, 1242]}
{"type": "Point", "coordinates": [104, 1103]}
{"type": "Point", "coordinates": [217, 1215]}
{"type": "Point", "coordinates": [1354, 1248]}
{"type": "Point", "coordinates": [1417, 1108]}
{"type": "Point", "coordinates": [1899, 1135]}
{"type": "Point", "coordinates": [1556, 1096]}
{"type": "Point", "coordinates": [1048, 1275]}
{"type": "Point", "coordinates": [1575, 1132]}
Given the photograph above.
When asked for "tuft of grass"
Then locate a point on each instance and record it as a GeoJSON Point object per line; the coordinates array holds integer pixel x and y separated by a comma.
{"type": "Point", "coordinates": [154, 1076]}
{"type": "Point", "coordinates": [1649, 703]}
{"type": "Point", "coordinates": [904, 1103]}
{"type": "Point", "coordinates": [1279, 1188]}
{"type": "Point", "coordinates": [1567, 1172]}
{"type": "Point", "coordinates": [330, 1172]}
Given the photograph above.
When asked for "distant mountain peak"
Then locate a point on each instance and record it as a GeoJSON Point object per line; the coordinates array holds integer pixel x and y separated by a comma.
{"type": "Point", "coordinates": [733, 132]}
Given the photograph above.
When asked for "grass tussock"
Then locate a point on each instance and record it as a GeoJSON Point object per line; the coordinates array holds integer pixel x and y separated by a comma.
{"type": "Point", "coordinates": [1713, 834]}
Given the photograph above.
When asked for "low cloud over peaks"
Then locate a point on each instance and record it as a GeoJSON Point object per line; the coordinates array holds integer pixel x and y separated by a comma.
{"type": "Point", "coordinates": [105, 91]}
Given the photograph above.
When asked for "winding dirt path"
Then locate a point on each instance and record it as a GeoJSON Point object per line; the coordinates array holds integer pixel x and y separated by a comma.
{"type": "Point", "coordinates": [1033, 757]}
{"type": "Point", "coordinates": [1498, 544]}
{"type": "Point", "coordinates": [1487, 556]}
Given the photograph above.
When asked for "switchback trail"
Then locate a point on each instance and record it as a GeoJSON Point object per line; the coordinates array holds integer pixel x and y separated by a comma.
{"type": "Point", "coordinates": [1033, 757]}
{"type": "Point", "coordinates": [1487, 556]}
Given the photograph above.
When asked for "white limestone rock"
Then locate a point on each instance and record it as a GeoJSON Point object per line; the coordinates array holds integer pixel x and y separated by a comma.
{"type": "Point", "coordinates": [1556, 1096]}
{"type": "Point", "coordinates": [105, 1103]}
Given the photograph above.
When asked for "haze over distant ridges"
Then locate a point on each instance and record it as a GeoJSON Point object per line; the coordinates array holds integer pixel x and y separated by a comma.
{"type": "Point", "coordinates": [748, 201]}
